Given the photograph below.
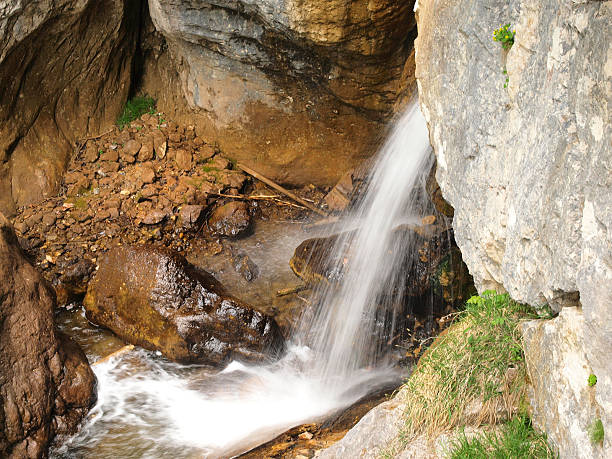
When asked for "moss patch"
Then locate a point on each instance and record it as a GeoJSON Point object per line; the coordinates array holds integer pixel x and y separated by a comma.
{"type": "Point", "coordinates": [134, 109]}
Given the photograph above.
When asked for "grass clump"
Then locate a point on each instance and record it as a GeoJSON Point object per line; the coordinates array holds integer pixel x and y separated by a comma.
{"type": "Point", "coordinates": [516, 438]}
{"type": "Point", "coordinates": [474, 372]}
{"type": "Point", "coordinates": [134, 109]}
{"type": "Point", "coordinates": [596, 432]}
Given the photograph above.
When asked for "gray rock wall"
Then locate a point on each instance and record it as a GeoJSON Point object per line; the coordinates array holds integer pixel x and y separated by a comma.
{"type": "Point", "coordinates": [528, 168]}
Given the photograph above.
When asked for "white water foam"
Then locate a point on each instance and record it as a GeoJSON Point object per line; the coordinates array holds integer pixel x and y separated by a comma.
{"type": "Point", "coordinates": [149, 407]}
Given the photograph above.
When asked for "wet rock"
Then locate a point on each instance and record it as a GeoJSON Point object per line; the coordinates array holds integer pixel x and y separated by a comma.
{"type": "Point", "coordinates": [46, 384]}
{"type": "Point", "coordinates": [155, 299]}
{"type": "Point", "coordinates": [72, 284]}
{"type": "Point", "coordinates": [190, 215]}
{"type": "Point", "coordinates": [231, 219]}
{"type": "Point", "coordinates": [245, 267]}
{"type": "Point", "coordinates": [432, 264]}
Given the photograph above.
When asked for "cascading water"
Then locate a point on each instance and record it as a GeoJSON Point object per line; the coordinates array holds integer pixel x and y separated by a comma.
{"type": "Point", "coordinates": [149, 407]}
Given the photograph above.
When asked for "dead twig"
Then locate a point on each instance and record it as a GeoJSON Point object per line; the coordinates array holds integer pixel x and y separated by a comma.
{"type": "Point", "coordinates": [277, 187]}
{"type": "Point", "coordinates": [273, 198]}
{"type": "Point", "coordinates": [118, 352]}
{"type": "Point", "coordinates": [290, 290]}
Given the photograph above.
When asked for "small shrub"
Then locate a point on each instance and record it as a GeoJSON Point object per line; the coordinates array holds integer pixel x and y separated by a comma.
{"type": "Point", "coordinates": [592, 380]}
{"type": "Point", "coordinates": [134, 109]}
{"type": "Point", "coordinates": [516, 439]}
{"type": "Point", "coordinates": [596, 432]}
{"type": "Point", "coordinates": [505, 36]}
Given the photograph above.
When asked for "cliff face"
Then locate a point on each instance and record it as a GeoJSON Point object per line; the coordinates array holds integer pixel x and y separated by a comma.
{"type": "Point", "coordinates": [297, 88]}
{"type": "Point", "coordinates": [65, 70]}
{"type": "Point", "coordinates": [528, 168]}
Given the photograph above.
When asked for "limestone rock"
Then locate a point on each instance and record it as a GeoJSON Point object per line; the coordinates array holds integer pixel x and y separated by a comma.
{"type": "Point", "coordinates": [155, 299]}
{"type": "Point", "coordinates": [527, 168]}
{"type": "Point", "coordinates": [563, 404]}
{"type": "Point", "coordinates": [46, 385]}
{"type": "Point", "coordinates": [65, 72]}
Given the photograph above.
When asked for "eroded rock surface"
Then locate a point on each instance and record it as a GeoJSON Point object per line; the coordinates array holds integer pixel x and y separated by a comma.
{"type": "Point", "coordinates": [527, 168]}
{"type": "Point", "coordinates": [296, 89]}
{"type": "Point", "coordinates": [46, 384]}
{"type": "Point", "coordinates": [155, 299]}
{"type": "Point", "coordinates": [65, 72]}
{"type": "Point", "coordinates": [564, 405]}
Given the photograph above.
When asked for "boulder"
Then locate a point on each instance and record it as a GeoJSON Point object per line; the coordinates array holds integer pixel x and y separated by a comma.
{"type": "Point", "coordinates": [231, 219]}
{"type": "Point", "coordinates": [46, 384]}
{"type": "Point", "coordinates": [155, 299]}
{"type": "Point", "coordinates": [432, 264]}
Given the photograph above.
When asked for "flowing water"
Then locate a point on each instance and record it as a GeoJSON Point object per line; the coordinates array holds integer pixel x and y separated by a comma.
{"type": "Point", "coordinates": [149, 407]}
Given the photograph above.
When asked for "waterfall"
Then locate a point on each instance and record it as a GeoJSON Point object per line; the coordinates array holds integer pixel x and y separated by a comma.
{"type": "Point", "coordinates": [149, 407]}
{"type": "Point", "coordinates": [344, 330]}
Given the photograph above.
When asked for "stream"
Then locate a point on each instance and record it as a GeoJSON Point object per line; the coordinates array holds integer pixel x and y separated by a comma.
{"type": "Point", "coordinates": [149, 407]}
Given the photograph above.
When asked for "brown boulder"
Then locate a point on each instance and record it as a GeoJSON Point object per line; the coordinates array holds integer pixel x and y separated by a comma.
{"type": "Point", "coordinates": [231, 219]}
{"type": "Point", "coordinates": [46, 385]}
{"type": "Point", "coordinates": [155, 299]}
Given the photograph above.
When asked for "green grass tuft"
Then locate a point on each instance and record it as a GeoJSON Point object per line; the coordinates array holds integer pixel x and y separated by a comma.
{"type": "Point", "coordinates": [134, 109]}
{"type": "Point", "coordinates": [596, 432]}
{"type": "Point", "coordinates": [516, 439]}
{"type": "Point", "coordinates": [592, 380]}
{"type": "Point", "coordinates": [474, 373]}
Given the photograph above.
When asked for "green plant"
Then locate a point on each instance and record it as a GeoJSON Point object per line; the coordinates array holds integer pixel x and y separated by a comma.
{"type": "Point", "coordinates": [516, 439]}
{"type": "Point", "coordinates": [592, 380]}
{"type": "Point", "coordinates": [505, 36]}
{"type": "Point", "coordinates": [134, 109]}
{"type": "Point", "coordinates": [596, 432]}
{"type": "Point", "coordinates": [478, 361]}
{"type": "Point", "coordinates": [505, 72]}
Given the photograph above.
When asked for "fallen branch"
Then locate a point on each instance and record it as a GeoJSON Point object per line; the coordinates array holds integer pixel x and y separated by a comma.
{"type": "Point", "coordinates": [118, 352]}
{"type": "Point", "coordinates": [290, 290]}
{"type": "Point", "coordinates": [277, 187]}
{"type": "Point", "coordinates": [259, 198]}
{"type": "Point", "coordinates": [327, 221]}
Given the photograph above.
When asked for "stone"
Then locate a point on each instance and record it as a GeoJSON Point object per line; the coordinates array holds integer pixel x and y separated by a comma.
{"type": "Point", "coordinates": [231, 219]}
{"type": "Point", "coordinates": [46, 385]}
{"type": "Point", "coordinates": [154, 217]}
{"type": "Point", "coordinates": [91, 153]}
{"type": "Point", "coordinates": [132, 147]}
{"type": "Point", "coordinates": [153, 298]}
{"type": "Point", "coordinates": [527, 167]}
{"type": "Point", "coordinates": [110, 155]}
{"type": "Point", "coordinates": [147, 151]}
{"type": "Point", "coordinates": [50, 99]}
{"type": "Point", "coordinates": [190, 215]}
{"type": "Point", "coordinates": [159, 144]}
{"type": "Point", "coordinates": [563, 404]}
{"type": "Point", "coordinates": [183, 159]}
{"type": "Point", "coordinates": [144, 173]}
{"type": "Point", "coordinates": [245, 267]}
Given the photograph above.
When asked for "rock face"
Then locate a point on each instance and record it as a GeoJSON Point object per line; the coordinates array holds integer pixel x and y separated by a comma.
{"type": "Point", "coordinates": [527, 168]}
{"type": "Point", "coordinates": [564, 405]}
{"type": "Point", "coordinates": [296, 88]}
{"type": "Point", "coordinates": [46, 385]}
{"type": "Point", "coordinates": [65, 71]}
{"type": "Point", "coordinates": [155, 299]}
